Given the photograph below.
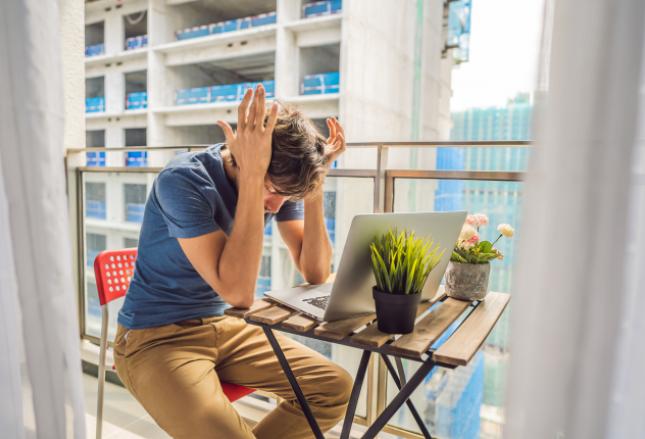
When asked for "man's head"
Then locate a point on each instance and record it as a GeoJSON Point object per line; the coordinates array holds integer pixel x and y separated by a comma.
{"type": "Point", "coordinates": [297, 159]}
{"type": "Point", "coordinates": [297, 155]}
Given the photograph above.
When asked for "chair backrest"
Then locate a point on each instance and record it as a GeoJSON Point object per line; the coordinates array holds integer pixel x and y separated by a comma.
{"type": "Point", "coordinates": [113, 270]}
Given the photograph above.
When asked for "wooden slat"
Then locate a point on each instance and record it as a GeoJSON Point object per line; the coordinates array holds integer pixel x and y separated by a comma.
{"type": "Point", "coordinates": [270, 316]}
{"type": "Point", "coordinates": [243, 312]}
{"type": "Point", "coordinates": [371, 336]}
{"type": "Point", "coordinates": [460, 348]}
{"type": "Point", "coordinates": [429, 329]}
{"type": "Point", "coordinates": [299, 323]}
{"type": "Point", "coordinates": [340, 329]}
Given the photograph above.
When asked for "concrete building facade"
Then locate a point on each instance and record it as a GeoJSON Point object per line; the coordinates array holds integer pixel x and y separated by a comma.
{"type": "Point", "coordinates": [161, 72]}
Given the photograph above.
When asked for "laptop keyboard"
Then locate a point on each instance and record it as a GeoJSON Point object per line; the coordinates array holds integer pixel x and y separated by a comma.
{"type": "Point", "coordinates": [319, 302]}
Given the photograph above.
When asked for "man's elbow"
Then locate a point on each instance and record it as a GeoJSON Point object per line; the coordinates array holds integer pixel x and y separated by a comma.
{"type": "Point", "coordinates": [316, 277]}
{"type": "Point", "coordinates": [242, 302]}
{"type": "Point", "coordinates": [245, 303]}
{"type": "Point", "coordinates": [239, 298]}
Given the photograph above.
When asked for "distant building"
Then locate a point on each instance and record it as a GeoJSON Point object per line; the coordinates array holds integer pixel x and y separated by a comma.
{"type": "Point", "coordinates": [501, 202]}
{"type": "Point", "coordinates": [161, 72]}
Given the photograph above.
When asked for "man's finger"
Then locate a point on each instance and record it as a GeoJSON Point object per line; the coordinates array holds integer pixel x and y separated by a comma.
{"type": "Point", "coordinates": [258, 96]}
{"type": "Point", "coordinates": [261, 107]}
{"type": "Point", "coordinates": [340, 128]}
{"type": "Point", "coordinates": [341, 139]}
{"type": "Point", "coordinates": [228, 131]}
{"type": "Point", "coordinates": [242, 110]}
{"type": "Point", "coordinates": [250, 120]}
{"type": "Point", "coordinates": [273, 118]}
{"type": "Point", "coordinates": [332, 129]}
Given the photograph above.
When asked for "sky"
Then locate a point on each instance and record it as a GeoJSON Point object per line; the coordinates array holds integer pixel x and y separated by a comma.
{"type": "Point", "coordinates": [504, 46]}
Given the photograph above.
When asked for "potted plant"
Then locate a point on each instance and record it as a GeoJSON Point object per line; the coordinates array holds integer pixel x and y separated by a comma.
{"type": "Point", "coordinates": [469, 267]}
{"type": "Point", "coordinates": [401, 264]}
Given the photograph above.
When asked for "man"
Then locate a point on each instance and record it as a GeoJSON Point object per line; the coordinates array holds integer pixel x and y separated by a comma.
{"type": "Point", "coordinates": [200, 249]}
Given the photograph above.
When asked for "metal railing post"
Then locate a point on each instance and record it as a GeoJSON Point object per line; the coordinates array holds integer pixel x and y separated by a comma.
{"type": "Point", "coordinates": [102, 354]}
{"type": "Point", "coordinates": [379, 181]}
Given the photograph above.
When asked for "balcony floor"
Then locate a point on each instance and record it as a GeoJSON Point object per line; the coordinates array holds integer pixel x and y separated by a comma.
{"type": "Point", "coordinates": [123, 416]}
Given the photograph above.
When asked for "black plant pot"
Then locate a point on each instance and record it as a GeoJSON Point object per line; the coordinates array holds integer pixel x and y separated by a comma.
{"type": "Point", "coordinates": [395, 313]}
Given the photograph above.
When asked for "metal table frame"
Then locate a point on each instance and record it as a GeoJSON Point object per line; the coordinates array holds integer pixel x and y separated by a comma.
{"type": "Point", "coordinates": [405, 386]}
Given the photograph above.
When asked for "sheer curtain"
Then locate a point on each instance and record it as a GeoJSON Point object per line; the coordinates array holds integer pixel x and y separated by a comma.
{"type": "Point", "coordinates": [36, 281]}
{"type": "Point", "coordinates": [578, 353]}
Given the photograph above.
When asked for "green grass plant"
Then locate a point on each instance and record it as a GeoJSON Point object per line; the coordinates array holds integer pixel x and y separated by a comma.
{"type": "Point", "coordinates": [402, 262]}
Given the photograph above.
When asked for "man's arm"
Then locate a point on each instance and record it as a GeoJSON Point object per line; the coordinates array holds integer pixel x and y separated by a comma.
{"type": "Point", "coordinates": [230, 266]}
{"type": "Point", "coordinates": [308, 241]}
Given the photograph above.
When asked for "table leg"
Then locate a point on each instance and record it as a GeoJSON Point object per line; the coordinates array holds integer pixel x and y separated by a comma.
{"type": "Point", "coordinates": [399, 399]}
{"type": "Point", "coordinates": [401, 375]}
{"type": "Point", "coordinates": [294, 383]}
{"type": "Point", "coordinates": [356, 391]}
{"type": "Point", "coordinates": [399, 367]}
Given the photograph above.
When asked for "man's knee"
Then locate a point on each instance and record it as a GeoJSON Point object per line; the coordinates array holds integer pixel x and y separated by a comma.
{"type": "Point", "coordinates": [338, 386]}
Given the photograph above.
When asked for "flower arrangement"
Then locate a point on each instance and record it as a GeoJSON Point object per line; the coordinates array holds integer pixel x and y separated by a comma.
{"type": "Point", "coordinates": [402, 262]}
{"type": "Point", "coordinates": [469, 249]}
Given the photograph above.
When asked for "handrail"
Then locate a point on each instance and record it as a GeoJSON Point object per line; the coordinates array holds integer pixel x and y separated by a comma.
{"type": "Point", "coordinates": [388, 144]}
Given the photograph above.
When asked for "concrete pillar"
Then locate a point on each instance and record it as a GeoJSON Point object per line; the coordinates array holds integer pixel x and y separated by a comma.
{"type": "Point", "coordinates": [72, 32]}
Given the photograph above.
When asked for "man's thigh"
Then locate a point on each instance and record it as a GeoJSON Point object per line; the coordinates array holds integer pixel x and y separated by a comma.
{"type": "Point", "coordinates": [173, 377]}
{"type": "Point", "coordinates": [245, 357]}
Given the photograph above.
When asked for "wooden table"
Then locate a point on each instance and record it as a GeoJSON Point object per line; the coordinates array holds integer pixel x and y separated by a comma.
{"type": "Point", "coordinates": [431, 343]}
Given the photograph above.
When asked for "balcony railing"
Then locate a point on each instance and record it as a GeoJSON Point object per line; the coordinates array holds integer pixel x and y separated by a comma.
{"type": "Point", "coordinates": [437, 176]}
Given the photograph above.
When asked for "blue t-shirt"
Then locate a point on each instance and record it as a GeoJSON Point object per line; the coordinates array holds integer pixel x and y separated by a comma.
{"type": "Point", "coordinates": [190, 197]}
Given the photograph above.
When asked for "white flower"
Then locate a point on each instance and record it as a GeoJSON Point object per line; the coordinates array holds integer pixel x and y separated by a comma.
{"type": "Point", "coordinates": [481, 219]}
{"type": "Point", "coordinates": [467, 232]}
{"type": "Point", "coordinates": [506, 230]}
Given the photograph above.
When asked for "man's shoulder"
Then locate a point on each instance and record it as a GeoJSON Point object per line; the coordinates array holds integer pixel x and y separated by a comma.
{"type": "Point", "coordinates": [195, 159]}
{"type": "Point", "coordinates": [197, 166]}
{"type": "Point", "coordinates": [194, 172]}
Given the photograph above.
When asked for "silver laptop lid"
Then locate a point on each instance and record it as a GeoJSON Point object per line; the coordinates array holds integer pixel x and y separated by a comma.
{"type": "Point", "coordinates": [352, 290]}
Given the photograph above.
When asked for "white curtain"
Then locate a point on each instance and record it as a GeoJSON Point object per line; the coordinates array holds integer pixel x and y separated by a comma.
{"type": "Point", "coordinates": [577, 329]}
{"type": "Point", "coordinates": [36, 279]}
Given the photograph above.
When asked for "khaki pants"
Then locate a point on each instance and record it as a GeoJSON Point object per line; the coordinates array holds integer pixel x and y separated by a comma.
{"type": "Point", "coordinates": [174, 371]}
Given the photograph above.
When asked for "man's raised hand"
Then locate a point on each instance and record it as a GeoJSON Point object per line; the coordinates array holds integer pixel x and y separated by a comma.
{"type": "Point", "coordinates": [250, 144]}
{"type": "Point", "coordinates": [335, 142]}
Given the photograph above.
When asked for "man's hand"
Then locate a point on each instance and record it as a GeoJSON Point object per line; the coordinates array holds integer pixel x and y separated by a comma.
{"type": "Point", "coordinates": [230, 264]}
{"type": "Point", "coordinates": [334, 148]}
{"type": "Point", "coordinates": [335, 142]}
{"type": "Point", "coordinates": [250, 145]}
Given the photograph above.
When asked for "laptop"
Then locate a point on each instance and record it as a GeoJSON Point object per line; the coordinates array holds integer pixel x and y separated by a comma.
{"type": "Point", "coordinates": [350, 293]}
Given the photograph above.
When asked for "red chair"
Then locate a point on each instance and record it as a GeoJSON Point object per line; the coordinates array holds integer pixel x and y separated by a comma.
{"type": "Point", "coordinates": [113, 270]}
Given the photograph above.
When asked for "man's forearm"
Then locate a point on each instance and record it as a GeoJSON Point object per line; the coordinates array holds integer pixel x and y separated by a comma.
{"type": "Point", "coordinates": [315, 256]}
{"type": "Point", "coordinates": [240, 260]}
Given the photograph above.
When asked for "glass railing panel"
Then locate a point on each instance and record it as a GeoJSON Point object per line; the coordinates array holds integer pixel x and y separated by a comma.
{"type": "Point", "coordinates": [467, 401]}
{"type": "Point", "coordinates": [114, 204]}
{"type": "Point", "coordinates": [112, 213]}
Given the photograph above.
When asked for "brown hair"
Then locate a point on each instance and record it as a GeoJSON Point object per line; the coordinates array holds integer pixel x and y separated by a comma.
{"type": "Point", "coordinates": [298, 162]}
{"type": "Point", "coordinates": [297, 154]}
